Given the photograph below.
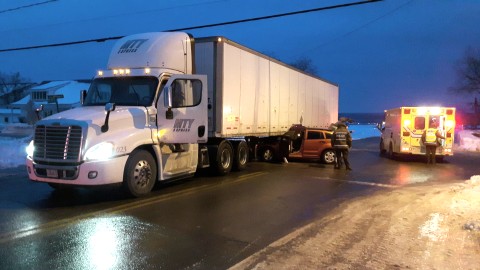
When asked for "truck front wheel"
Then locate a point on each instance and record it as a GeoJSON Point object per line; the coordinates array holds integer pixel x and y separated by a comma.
{"type": "Point", "coordinates": [140, 173]}
{"type": "Point", "coordinates": [224, 158]}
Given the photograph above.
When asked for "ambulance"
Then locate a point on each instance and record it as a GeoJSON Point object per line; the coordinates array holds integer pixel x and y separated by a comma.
{"type": "Point", "coordinates": [403, 128]}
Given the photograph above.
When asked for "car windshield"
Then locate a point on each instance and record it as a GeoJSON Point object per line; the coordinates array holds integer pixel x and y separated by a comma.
{"type": "Point", "coordinates": [126, 91]}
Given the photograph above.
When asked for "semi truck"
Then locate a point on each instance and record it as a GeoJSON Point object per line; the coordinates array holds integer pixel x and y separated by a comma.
{"type": "Point", "coordinates": [168, 105]}
{"type": "Point", "coordinates": [403, 128]}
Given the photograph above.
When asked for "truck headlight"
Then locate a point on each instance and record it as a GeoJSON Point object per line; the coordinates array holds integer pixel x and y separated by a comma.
{"type": "Point", "coordinates": [101, 151]}
{"type": "Point", "coordinates": [29, 149]}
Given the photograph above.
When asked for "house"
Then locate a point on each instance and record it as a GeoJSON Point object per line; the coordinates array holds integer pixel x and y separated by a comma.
{"type": "Point", "coordinates": [55, 96]}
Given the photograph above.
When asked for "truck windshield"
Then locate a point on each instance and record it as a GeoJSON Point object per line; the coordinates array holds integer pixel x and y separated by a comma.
{"type": "Point", "coordinates": [126, 91]}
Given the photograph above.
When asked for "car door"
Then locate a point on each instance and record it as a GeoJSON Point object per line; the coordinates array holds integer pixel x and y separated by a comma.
{"type": "Point", "coordinates": [314, 144]}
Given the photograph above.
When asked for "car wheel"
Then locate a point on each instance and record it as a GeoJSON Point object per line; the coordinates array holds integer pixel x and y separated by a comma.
{"type": "Point", "coordinates": [328, 156]}
{"type": "Point", "coordinates": [267, 154]}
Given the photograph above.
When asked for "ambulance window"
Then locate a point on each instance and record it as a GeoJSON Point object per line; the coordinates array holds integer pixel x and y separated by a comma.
{"type": "Point", "coordinates": [420, 122]}
{"type": "Point", "coordinates": [433, 119]}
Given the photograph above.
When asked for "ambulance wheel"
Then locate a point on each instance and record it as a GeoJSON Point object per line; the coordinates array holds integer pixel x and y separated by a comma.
{"type": "Point", "coordinates": [240, 159]}
{"type": "Point", "coordinates": [140, 173]}
{"type": "Point", "coordinates": [382, 148]}
{"type": "Point", "coordinates": [390, 153]}
{"type": "Point", "coordinates": [224, 158]}
{"type": "Point", "coordinates": [328, 156]}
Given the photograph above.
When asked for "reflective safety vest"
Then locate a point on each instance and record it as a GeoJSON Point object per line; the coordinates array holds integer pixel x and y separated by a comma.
{"type": "Point", "coordinates": [431, 135]}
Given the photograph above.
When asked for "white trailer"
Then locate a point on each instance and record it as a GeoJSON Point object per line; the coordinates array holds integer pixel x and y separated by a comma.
{"type": "Point", "coordinates": [148, 117]}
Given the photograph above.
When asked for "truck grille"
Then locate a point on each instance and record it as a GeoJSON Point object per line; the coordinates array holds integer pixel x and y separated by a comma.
{"type": "Point", "coordinates": [57, 143]}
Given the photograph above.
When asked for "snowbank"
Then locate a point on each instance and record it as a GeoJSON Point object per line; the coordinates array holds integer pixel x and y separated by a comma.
{"type": "Point", "coordinates": [469, 140]}
{"type": "Point", "coordinates": [364, 131]}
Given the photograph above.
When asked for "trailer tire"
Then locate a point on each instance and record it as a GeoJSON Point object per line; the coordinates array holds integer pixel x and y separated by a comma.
{"type": "Point", "coordinates": [267, 154]}
{"type": "Point", "coordinates": [224, 158]}
{"type": "Point", "coordinates": [241, 156]}
{"type": "Point", "coordinates": [328, 156]}
{"type": "Point", "coordinates": [140, 173]}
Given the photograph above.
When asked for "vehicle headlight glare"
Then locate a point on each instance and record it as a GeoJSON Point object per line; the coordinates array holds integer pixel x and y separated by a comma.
{"type": "Point", "coordinates": [101, 151]}
{"type": "Point", "coordinates": [29, 149]}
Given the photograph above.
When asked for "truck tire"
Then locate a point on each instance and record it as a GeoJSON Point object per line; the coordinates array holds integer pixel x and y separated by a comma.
{"type": "Point", "coordinates": [224, 158]}
{"type": "Point", "coordinates": [328, 156]}
{"type": "Point", "coordinates": [240, 159]}
{"type": "Point", "coordinates": [140, 173]}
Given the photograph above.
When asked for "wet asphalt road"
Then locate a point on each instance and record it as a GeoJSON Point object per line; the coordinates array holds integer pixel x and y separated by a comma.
{"type": "Point", "coordinates": [200, 223]}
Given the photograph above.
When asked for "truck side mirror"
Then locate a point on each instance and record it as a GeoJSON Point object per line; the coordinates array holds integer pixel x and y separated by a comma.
{"type": "Point", "coordinates": [168, 102]}
{"type": "Point", "coordinates": [83, 95]}
{"type": "Point", "coordinates": [109, 107]}
{"type": "Point", "coordinates": [168, 96]}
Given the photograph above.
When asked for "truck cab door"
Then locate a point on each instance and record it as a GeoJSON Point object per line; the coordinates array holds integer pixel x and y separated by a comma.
{"type": "Point", "coordinates": [182, 110]}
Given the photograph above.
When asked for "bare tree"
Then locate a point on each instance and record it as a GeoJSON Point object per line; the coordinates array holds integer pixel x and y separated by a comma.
{"type": "Point", "coordinates": [305, 64]}
{"type": "Point", "coordinates": [468, 73]}
{"type": "Point", "coordinates": [10, 82]}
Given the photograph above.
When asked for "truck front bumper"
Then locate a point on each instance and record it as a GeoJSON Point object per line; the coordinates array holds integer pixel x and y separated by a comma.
{"type": "Point", "coordinates": [86, 174]}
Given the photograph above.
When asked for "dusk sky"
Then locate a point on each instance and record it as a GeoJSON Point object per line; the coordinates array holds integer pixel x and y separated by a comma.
{"type": "Point", "coordinates": [382, 55]}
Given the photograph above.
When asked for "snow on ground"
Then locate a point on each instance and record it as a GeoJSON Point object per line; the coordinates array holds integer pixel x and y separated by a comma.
{"type": "Point", "coordinates": [13, 149]}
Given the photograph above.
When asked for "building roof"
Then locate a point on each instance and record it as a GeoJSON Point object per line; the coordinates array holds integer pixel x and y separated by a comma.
{"type": "Point", "coordinates": [69, 89]}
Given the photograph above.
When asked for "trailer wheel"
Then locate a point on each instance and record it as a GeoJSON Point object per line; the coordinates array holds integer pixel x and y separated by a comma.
{"type": "Point", "coordinates": [241, 156]}
{"type": "Point", "coordinates": [224, 158]}
{"type": "Point", "coordinates": [140, 173]}
{"type": "Point", "coordinates": [328, 156]}
{"type": "Point", "coordinates": [267, 154]}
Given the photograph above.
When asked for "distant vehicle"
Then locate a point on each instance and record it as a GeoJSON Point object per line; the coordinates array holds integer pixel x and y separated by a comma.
{"type": "Point", "coordinates": [403, 128]}
{"type": "Point", "coordinates": [168, 105]}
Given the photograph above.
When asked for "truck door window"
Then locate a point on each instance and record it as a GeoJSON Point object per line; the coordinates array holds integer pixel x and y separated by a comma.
{"type": "Point", "coordinates": [186, 93]}
{"type": "Point", "coordinates": [419, 122]}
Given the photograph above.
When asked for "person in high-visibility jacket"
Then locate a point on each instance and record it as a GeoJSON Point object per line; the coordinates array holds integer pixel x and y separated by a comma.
{"type": "Point", "coordinates": [430, 139]}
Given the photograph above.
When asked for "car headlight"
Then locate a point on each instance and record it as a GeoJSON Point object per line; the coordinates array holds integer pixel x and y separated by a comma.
{"type": "Point", "coordinates": [101, 151]}
{"type": "Point", "coordinates": [29, 149]}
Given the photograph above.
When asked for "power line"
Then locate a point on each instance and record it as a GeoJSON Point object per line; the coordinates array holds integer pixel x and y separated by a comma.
{"type": "Point", "coordinates": [198, 27]}
{"type": "Point", "coordinates": [27, 6]}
